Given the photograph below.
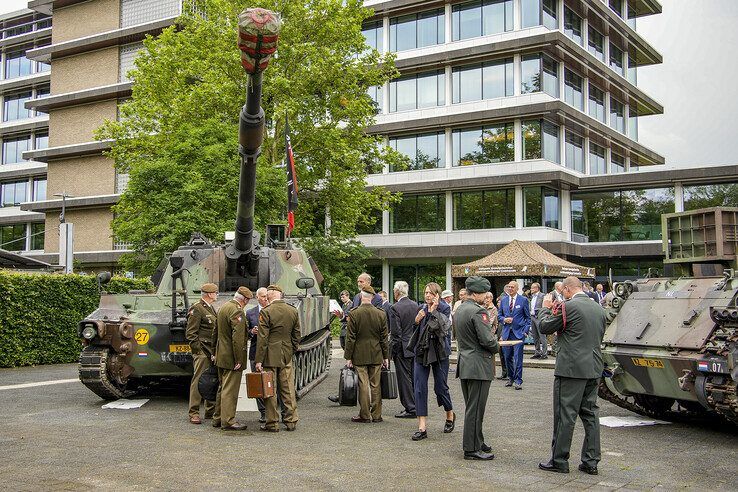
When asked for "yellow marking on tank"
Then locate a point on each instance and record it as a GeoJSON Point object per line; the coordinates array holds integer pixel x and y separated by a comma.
{"type": "Point", "coordinates": [142, 336]}
{"type": "Point", "coordinates": [655, 363]}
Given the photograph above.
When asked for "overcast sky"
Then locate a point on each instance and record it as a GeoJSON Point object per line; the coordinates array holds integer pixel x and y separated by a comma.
{"type": "Point", "coordinates": [696, 84]}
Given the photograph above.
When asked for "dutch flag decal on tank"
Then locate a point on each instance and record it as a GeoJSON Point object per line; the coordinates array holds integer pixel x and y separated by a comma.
{"type": "Point", "coordinates": [702, 366]}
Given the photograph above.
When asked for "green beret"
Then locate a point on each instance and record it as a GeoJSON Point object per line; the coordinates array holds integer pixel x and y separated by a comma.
{"type": "Point", "coordinates": [477, 284]}
{"type": "Point", "coordinates": [209, 288]}
{"type": "Point", "coordinates": [368, 289]}
{"type": "Point", "coordinates": [245, 291]}
{"type": "Point", "coordinates": [275, 287]}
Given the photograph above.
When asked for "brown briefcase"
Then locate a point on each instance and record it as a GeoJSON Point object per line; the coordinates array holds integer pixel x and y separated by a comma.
{"type": "Point", "coordinates": [259, 384]}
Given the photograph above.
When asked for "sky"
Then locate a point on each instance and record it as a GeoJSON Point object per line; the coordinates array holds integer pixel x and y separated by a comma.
{"type": "Point", "coordinates": [696, 84]}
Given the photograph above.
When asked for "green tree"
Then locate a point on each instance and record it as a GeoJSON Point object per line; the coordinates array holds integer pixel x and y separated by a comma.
{"type": "Point", "coordinates": [177, 137]}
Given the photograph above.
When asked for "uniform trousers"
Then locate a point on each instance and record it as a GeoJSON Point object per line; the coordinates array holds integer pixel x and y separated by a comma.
{"type": "Point", "coordinates": [201, 363]}
{"type": "Point", "coordinates": [540, 342]}
{"type": "Point", "coordinates": [475, 393]}
{"type": "Point", "coordinates": [284, 379]}
{"type": "Point", "coordinates": [227, 399]}
{"type": "Point", "coordinates": [405, 371]}
{"type": "Point", "coordinates": [514, 360]}
{"type": "Point", "coordinates": [572, 397]}
{"type": "Point", "coordinates": [421, 374]}
{"type": "Point", "coordinates": [370, 391]}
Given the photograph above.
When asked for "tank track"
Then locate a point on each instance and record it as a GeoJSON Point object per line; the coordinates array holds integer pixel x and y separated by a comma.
{"type": "Point", "coordinates": [312, 361]}
{"type": "Point", "coordinates": [630, 403]}
{"type": "Point", "coordinates": [720, 389]}
{"type": "Point", "coordinates": [93, 372]}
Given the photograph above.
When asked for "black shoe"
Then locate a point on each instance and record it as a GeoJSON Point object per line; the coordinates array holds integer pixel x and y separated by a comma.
{"type": "Point", "coordinates": [235, 427]}
{"type": "Point", "coordinates": [517, 386]}
{"type": "Point", "coordinates": [262, 420]}
{"type": "Point", "coordinates": [486, 449]}
{"type": "Point", "coordinates": [290, 428]}
{"type": "Point", "coordinates": [501, 377]}
{"type": "Point", "coordinates": [265, 428]}
{"type": "Point", "coordinates": [419, 435]}
{"type": "Point", "coordinates": [536, 356]}
{"type": "Point", "coordinates": [590, 470]}
{"type": "Point", "coordinates": [334, 399]}
{"type": "Point", "coordinates": [405, 415]}
{"type": "Point", "coordinates": [551, 468]}
{"type": "Point", "coordinates": [216, 423]}
{"type": "Point", "coordinates": [543, 357]}
{"type": "Point", "coordinates": [478, 455]}
{"type": "Point", "coordinates": [508, 384]}
{"type": "Point", "coordinates": [376, 421]}
{"type": "Point", "coordinates": [449, 425]}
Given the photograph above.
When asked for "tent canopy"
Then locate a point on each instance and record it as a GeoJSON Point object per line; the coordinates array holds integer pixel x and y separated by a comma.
{"type": "Point", "coordinates": [521, 259]}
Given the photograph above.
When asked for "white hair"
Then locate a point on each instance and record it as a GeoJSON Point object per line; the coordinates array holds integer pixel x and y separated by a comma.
{"type": "Point", "coordinates": [261, 291]}
{"type": "Point", "coordinates": [401, 287]}
{"type": "Point", "coordinates": [367, 295]}
{"type": "Point", "coordinates": [366, 277]}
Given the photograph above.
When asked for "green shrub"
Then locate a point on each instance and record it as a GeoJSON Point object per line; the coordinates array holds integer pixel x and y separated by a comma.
{"type": "Point", "coordinates": [39, 315]}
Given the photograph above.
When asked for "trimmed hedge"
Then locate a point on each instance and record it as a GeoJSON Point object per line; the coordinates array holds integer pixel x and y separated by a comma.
{"type": "Point", "coordinates": [39, 315]}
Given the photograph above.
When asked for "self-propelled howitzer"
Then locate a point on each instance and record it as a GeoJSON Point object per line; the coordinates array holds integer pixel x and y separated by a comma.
{"type": "Point", "coordinates": [135, 339]}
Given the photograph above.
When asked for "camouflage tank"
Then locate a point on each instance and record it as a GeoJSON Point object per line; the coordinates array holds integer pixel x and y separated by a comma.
{"type": "Point", "coordinates": [671, 347]}
{"type": "Point", "coordinates": [135, 339]}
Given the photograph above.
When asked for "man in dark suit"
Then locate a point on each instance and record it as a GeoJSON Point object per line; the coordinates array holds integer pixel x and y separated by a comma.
{"type": "Point", "coordinates": [514, 316]}
{"type": "Point", "coordinates": [539, 341]}
{"type": "Point", "coordinates": [252, 317]}
{"type": "Point", "coordinates": [600, 293]}
{"type": "Point", "coordinates": [477, 345]}
{"type": "Point", "coordinates": [385, 305]}
{"type": "Point", "coordinates": [402, 325]}
{"type": "Point", "coordinates": [580, 324]}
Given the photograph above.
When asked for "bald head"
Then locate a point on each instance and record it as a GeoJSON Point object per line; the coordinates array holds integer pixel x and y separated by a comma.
{"type": "Point", "coordinates": [571, 286]}
{"type": "Point", "coordinates": [273, 295]}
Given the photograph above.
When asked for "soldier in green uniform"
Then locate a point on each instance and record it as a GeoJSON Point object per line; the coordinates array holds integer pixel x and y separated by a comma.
{"type": "Point", "coordinates": [580, 324]}
{"type": "Point", "coordinates": [367, 348]}
{"type": "Point", "coordinates": [201, 322]}
{"type": "Point", "coordinates": [477, 346]}
{"type": "Point", "coordinates": [277, 340]}
{"type": "Point", "coordinates": [230, 357]}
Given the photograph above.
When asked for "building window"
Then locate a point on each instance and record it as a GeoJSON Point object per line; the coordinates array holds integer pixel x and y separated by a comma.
{"type": "Point", "coordinates": [121, 182]}
{"type": "Point", "coordinates": [13, 107]}
{"type": "Point", "coordinates": [541, 141]}
{"type": "Point", "coordinates": [39, 189]}
{"type": "Point", "coordinates": [597, 163]}
{"type": "Point", "coordinates": [491, 144]}
{"type": "Point", "coordinates": [573, 92]}
{"type": "Point", "coordinates": [596, 44]}
{"type": "Point", "coordinates": [573, 25]}
{"type": "Point", "coordinates": [417, 30]}
{"type": "Point", "coordinates": [13, 149]}
{"type": "Point", "coordinates": [538, 12]}
{"type": "Point", "coordinates": [596, 103]}
{"type": "Point", "coordinates": [617, 115]}
{"type": "Point", "coordinates": [574, 147]}
{"type": "Point", "coordinates": [704, 196]}
{"type": "Point", "coordinates": [628, 215]}
{"type": "Point", "coordinates": [473, 19]}
{"type": "Point", "coordinates": [418, 91]}
{"type": "Point", "coordinates": [38, 229]}
{"type": "Point", "coordinates": [427, 151]}
{"type": "Point", "coordinates": [617, 163]}
{"type": "Point", "coordinates": [418, 213]}
{"type": "Point", "coordinates": [42, 141]}
{"type": "Point", "coordinates": [617, 7]}
{"type": "Point", "coordinates": [632, 70]}
{"type": "Point", "coordinates": [17, 65]}
{"type": "Point", "coordinates": [373, 33]}
{"type": "Point", "coordinates": [488, 209]}
{"type": "Point", "coordinates": [539, 72]}
{"type": "Point", "coordinates": [376, 93]}
{"type": "Point", "coordinates": [616, 59]}
{"type": "Point", "coordinates": [633, 123]}
{"type": "Point", "coordinates": [14, 193]}
{"type": "Point", "coordinates": [541, 207]}
{"type": "Point", "coordinates": [373, 224]}
{"type": "Point", "coordinates": [127, 57]}
{"type": "Point", "coordinates": [416, 276]}
{"type": "Point", "coordinates": [135, 12]}
{"type": "Point", "coordinates": [13, 237]}
{"type": "Point", "coordinates": [488, 81]}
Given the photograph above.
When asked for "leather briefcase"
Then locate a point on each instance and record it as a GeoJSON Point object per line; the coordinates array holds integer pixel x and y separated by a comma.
{"type": "Point", "coordinates": [208, 383]}
{"type": "Point", "coordinates": [260, 384]}
{"type": "Point", "coordinates": [348, 387]}
{"type": "Point", "coordinates": [388, 382]}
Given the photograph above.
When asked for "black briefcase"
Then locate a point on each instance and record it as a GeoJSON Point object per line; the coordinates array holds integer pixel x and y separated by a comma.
{"type": "Point", "coordinates": [208, 383]}
{"type": "Point", "coordinates": [388, 382]}
{"type": "Point", "coordinates": [348, 387]}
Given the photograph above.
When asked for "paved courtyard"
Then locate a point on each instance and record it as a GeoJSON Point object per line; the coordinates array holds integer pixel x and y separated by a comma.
{"type": "Point", "coordinates": [57, 437]}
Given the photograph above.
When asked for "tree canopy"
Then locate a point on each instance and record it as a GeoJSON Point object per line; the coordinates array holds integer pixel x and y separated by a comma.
{"type": "Point", "coordinates": [177, 137]}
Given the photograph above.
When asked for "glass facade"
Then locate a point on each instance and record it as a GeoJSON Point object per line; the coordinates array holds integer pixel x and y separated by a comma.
{"type": "Point", "coordinates": [597, 162]}
{"type": "Point", "coordinates": [39, 189]}
{"type": "Point", "coordinates": [617, 163]}
{"type": "Point", "coordinates": [628, 215]}
{"type": "Point", "coordinates": [490, 144]}
{"type": "Point", "coordinates": [539, 73]}
{"type": "Point", "coordinates": [538, 12]}
{"type": "Point", "coordinates": [376, 93]}
{"type": "Point", "coordinates": [617, 7]}
{"type": "Point", "coordinates": [13, 237]}
{"type": "Point", "coordinates": [541, 141]}
{"type": "Point", "coordinates": [704, 196]}
{"type": "Point", "coordinates": [13, 106]}
{"type": "Point", "coordinates": [425, 151]}
{"type": "Point", "coordinates": [418, 91]}
{"type": "Point", "coordinates": [17, 65]}
{"type": "Point", "coordinates": [596, 103]}
{"type": "Point", "coordinates": [486, 81]}
{"type": "Point", "coordinates": [542, 207]}
{"type": "Point", "coordinates": [13, 149]}
{"type": "Point", "coordinates": [417, 277]}
{"type": "Point", "coordinates": [418, 213]}
{"type": "Point", "coordinates": [487, 209]}
{"type": "Point", "coordinates": [417, 30]}
{"type": "Point", "coordinates": [616, 59]}
{"type": "Point", "coordinates": [481, 18]}
{"type": "Point", "coordinates": [574, 148]}
{"type": "Point", "coordinates": [633, 123]}
{"type": "Point", "coordinates": [14, 193]}
{"type": "Point", "coordinates": [37, 235]}
{"type": "Point", "coordinates": [573, 89]}
{"type": "Point", "coordinates": [134, 12]}
{"type": "Point", "coordinates": [374, 34]}
{"type": "Point", "coordinates": [617, 115]}
{"type": "Point", "coordinates": [573, 25]}
{"type": "Point", "coordinates": [596, 43]}
{"type": "Point", "coordinates": [42, 140]}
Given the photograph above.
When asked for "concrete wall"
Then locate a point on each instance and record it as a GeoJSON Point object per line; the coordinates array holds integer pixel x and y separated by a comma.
{"type": "Point", "coordinates": [85, 19]}
{"type": "Point", "coordinates": [81, 176]}
{"type": "Point", "coordinates": [91, 230]}
{"type": "Point", "coordinates": [77, 124]}
{"type": "Point", "coordinates": [84, 71]}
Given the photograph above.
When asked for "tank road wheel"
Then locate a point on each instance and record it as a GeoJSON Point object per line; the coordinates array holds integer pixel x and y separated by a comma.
{"type": "Point", "coordinates": [100, 370]}
{"type": "Point", "coordinates": [654, 405]}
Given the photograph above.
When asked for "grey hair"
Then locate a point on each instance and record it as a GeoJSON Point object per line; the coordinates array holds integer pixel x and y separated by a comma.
{"type": "Point", "coordinates": [366, 295]}
{"type": "Point", "coordinates": [261, 291]}
{"type": "Point", "coordinates": [402, 287]}
{"type": "Point", "coordinates": [367, 277]}
{"type": "Point", "coordinates": [239, 297]}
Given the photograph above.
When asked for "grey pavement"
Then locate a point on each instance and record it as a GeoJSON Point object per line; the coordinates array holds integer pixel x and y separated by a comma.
{"type": "Point", "coordinates": [58, 438]}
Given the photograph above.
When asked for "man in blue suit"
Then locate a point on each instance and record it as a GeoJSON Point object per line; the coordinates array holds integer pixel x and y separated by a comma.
{"type": "Point", "coordinates": [252, 316]}
{"type": "Point", "coordinates": [514, 316]}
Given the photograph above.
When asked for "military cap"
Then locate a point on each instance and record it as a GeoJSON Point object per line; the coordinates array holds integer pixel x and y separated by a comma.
{"type": "Point", "coordinates": [446, 293]}
{"type": "Point", "coordinates": [477, 284]}
{"type": "Point", "coordinates": [245, 291]}
{"type": "Point", "coordinates": [369, 289]}
{"type": "Point", "coordinates": [275, 287]}
{"type": "Point", "coordinates": [209, 288]}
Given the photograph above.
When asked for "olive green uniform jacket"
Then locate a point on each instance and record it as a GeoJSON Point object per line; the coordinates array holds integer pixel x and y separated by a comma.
{"type": "Point", "coordinates": [231, 340]}
{"type": "Point", "coordinates": [476, 341]}
{"type": "Point", "coordinates": [367, 336]}
{"type": "Point", "coordinates": [279, 334]}
{"type": "Point", "coordinates": [202, 321]}
{"type": "Point", "coordinates": [578, 353]}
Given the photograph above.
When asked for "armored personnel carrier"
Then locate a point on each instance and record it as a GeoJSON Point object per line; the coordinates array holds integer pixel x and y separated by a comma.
{"type": "Point", "coordinates": [137, 338]}
{"type": "Point", "coordinates": [671, 348]}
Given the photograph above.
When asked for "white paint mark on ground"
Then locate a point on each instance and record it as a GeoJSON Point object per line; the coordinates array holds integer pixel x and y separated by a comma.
{"type": "Point", "coordinates": [612, 453]}
{"type": "Point", "coordinates": [40, 383]}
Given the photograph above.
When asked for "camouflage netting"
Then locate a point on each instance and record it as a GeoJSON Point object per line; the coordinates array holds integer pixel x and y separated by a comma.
{"type": "Point", "coordinates": [258, 32]}
{"type": "Point", "coordinates": [521, 259]}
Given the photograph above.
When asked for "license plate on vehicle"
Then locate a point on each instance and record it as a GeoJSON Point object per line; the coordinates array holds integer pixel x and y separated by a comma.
{"type": "Point", "coordinates": [647, 362]}
{"type": "Point", "coordinates": [180, 348]}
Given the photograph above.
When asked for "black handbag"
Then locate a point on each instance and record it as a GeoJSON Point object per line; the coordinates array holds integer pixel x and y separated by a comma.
{"type": "Point", "coordinates": [388, 382]}
{"type": "Point", "coordinates": [208, 383]}
{"type": "Point", "coordinates": [348, 387]}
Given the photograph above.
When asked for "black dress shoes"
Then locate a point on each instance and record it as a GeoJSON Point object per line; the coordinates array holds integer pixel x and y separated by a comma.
{"type": "Point", "coordinates": [517, 386]}
{"type": "Point", "coordinates": [449, 425]}
{"type": "Point", "coordinates": [478, 455]}
{"type": "Point", "coordinates": [359, 420]}
{"type": "Point", "coordinates": [405, 415]}
{"type": "Point", "coordinates": [590, 470]}
{"type": "Point", "coordinates": [235, 427]}
{"type": "Point", "coordinates": [536, 356]}
{"type": "Point", "coordinates": [419, 435]}
{"type": "Point", "coordinates": [486, 449]}
{"type": "Point", "coordinates": [502, 377]}
{"type": "Point", "coordinates": [508, 384]}
{"type": "Point", "coordinates": [552, 468]}
{"type": "Point", "coordinates": [265, 428]}
{"type": "Point", "coordinates": [333, 398]}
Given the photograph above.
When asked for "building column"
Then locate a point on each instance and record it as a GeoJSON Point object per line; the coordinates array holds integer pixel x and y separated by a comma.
{"type": "Point", "coordinates": [449, 150]}
{"type": "Point", "coordinates": [385, 222]}
{"type": "Point", "coordinates": [519, 208]}
{"type": "Point", "coordinates": [448, 24]}
{"type": "Point", "coordinates": [517, 15]}
{"type": "Point", "coordinates": [566, 212]}
{"type": "Point", "coordinates": [585, 151]}
{"type": "Point", "coordinates": [608, 158]}
{"type": "Point", "coordinates": [560, 14]}
{"type": "Point", "coordinates": [449, 279]}
{"type": "Point", "coordinates": [518, 139]}
{"type": "Point", "coordinates": [562, 144]}
{"type": "Point", "coordinates": [385, 167]}
{"type": "Point", "coordinates": [585, 30]}
{"type": "Point", "coordinates": [28, 237]}
{"type": "Point", "coordinates": [607, 108]}
{"type": "Point", "coordinates": [517, 73]}
{"type": "Point", "coordinates": [585, 94]}
{"type": "Point", "coordinates": [385, 34]}
{"type": "Point", "coordinates": [678, 197]}
{"type": "Point", "coordinates": [386, 277]}
{"type": "Point", "coordinates": [449, 212]}
{"type": "Point", "coordinates": [448, 86]}
{"type": "Point", "coordinates": [560, 74]}
{"type": "Point", "coordinates": [626, 117]}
